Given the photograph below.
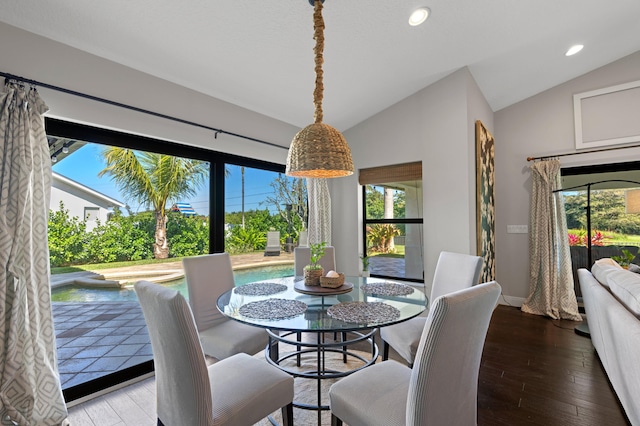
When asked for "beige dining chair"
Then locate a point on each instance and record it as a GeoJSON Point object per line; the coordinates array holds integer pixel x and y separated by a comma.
{"type": "Point", "coordinates": [303, 239]}
{"type": "Point", "coordinates": [442, 386]}
{"type": "Point", "coordinates": [239, 390]}
{"type": "Point", "coordinates": [302, 257]}
{"type": "Point", "coordinates": [454, 271]}
{"type": "Point", "coordinates": [207, 278]}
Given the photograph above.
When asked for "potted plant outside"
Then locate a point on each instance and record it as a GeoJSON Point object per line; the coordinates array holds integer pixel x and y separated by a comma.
{"type": "Point", "coordinates": [365, 265]}
{"type": "Point", "coordinates": [313, 271]}
{"type": "Point", "coordinates": [625, 258]}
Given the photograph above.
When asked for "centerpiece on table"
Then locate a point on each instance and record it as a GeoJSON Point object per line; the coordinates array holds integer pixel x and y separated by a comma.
{"type": "Point", "coordinates": [313, 271]}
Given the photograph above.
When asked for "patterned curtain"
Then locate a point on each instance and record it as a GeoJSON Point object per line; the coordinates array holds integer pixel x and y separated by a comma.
{"type": "Point", "coordinates": [30, 392]}
{"type": "Point", "coordinates": [319, 211]}
{"type": "Point", "coordinates": [551, 284]}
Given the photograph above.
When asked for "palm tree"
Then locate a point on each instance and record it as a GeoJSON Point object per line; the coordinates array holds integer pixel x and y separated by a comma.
{"type": "Point", "coordinates": [152, 180]}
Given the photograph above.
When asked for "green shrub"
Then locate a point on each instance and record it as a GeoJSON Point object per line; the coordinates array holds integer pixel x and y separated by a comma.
{"type": "Point", "coordinates": [118, 240]}
{"type": "Point", "coordinates": [67, 238]}
{"type": "Point", "coordinates": [242, 240]}
{"type": "Point", "coordinates": [188, 236]}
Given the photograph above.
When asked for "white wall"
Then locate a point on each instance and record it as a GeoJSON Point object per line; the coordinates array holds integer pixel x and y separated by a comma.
{"type": "Point", "coordinates": [30, 56]}
{"type": "Point", "coordinates": [538, 126]}
{"type": "Point", "coordinates": [436, 126]}
{"type": "Point", "coordinates": [76, 206]}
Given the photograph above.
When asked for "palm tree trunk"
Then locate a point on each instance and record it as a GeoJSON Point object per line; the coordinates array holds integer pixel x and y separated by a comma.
{"type": "Point", "coordinates": [161, 246]}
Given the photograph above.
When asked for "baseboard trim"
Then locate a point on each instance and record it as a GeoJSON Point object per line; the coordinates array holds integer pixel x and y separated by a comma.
{"type": "Point", "coordinates": [511, 300]}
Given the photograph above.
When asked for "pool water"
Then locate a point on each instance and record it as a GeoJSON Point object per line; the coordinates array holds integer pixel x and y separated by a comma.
{"type": "Point", "coordinates": [82, 294]}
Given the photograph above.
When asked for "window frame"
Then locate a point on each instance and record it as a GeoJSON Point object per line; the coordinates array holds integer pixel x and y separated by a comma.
{"type": "Point", "coordinates": [217, 161]}
{"type": "Point", "coordinates": [395, 221]}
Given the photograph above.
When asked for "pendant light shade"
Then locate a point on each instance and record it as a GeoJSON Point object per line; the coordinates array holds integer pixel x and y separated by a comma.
{"type": "Point", "coordinates": [319, 150]}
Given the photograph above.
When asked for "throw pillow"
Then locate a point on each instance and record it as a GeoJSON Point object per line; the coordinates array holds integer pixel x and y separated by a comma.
{"type": "Point", "coordinates": [602, 268]}
{"type": "Point", "coordinates": [626, 287]}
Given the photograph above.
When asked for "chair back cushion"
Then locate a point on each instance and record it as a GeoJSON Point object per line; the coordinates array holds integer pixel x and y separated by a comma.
{"type": "Point", "coordinates": [454, 272]}
{"type": "Point", "coordinates": [207, 277]}
{"type": "Point", "coordinates": [302, 257]}
{"type": "Point", "coordinates": [273, 239]}
{"type": "Point", "coordinates": [303, 239]}
{"type": "Point", "coordinates": [444, 381]}
{"type": "Point", "coordinates": [183, 392]}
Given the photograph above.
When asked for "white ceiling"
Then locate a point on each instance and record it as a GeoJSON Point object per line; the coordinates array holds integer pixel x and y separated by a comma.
{"type": "Point", "coordinates": [259, 54]}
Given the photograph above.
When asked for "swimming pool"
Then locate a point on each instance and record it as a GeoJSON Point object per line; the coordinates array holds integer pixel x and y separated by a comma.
{"type": "Point", "coordinates": [73, 293]}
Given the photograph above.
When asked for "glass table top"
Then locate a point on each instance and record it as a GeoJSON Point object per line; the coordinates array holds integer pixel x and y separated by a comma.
{"type": "Point", "coordinates": [277, 304]}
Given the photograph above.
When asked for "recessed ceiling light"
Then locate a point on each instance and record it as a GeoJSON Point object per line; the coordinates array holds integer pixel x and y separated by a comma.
{"type": "Point", "coordinates": [574, 49]}
{"type": "Point", "coordinates": [419, 16]}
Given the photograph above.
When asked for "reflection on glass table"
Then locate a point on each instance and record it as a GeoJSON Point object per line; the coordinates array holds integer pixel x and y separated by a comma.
{"type": "Point", "coordinates": [297, 317]}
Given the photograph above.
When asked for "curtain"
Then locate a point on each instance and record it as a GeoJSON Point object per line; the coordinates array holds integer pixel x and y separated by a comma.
{"type": "Point", "coordinates": [551, 287]}
{"type": "Point", "coordinates": [319, 211]}
{"type": "Point", "coordinates": [30, 391]}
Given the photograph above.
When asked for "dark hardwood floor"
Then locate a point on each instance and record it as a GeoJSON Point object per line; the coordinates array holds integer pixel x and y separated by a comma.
{"type": "Point", "coordinates": [539, 371]}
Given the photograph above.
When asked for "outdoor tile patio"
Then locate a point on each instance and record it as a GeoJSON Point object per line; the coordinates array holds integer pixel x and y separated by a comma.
{"type": "Point", "coordinates": [97, 338]}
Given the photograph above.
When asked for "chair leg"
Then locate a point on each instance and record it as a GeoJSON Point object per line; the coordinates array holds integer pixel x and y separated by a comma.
{"type": "Point", "coordinates": [287, 414]}
{"type": "Point", "coordinates": [335, 421]}
{"type": "Point", "coordinates": [385, 351]}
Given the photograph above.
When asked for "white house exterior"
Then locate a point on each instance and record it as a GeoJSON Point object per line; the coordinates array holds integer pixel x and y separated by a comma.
{"type": "Point", "coordinates": [81, 201]}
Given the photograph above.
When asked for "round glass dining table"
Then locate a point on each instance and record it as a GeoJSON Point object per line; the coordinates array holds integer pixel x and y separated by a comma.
{"type": "Point", "coordinates": [298, 315]}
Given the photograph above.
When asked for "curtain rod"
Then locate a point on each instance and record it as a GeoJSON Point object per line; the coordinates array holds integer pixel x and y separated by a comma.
{"type": "Point", "coordinates": [582, 152]}
{"type": "Point", "coordinates": [133, 108]}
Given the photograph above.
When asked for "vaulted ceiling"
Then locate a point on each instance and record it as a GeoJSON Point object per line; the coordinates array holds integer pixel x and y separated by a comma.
{"type": "Point", "coordinates": [259, 54]}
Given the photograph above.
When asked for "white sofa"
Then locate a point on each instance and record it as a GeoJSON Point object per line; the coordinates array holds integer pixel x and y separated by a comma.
{"type": "Point", "coordinates": [611, 298]}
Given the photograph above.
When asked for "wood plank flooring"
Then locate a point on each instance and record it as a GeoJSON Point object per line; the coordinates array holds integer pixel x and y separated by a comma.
{"type": "Point", "coordinates": [535, 371]}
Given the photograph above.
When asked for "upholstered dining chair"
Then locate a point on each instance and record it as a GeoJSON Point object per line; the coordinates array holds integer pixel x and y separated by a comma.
{"type": "Point", "coordinates": [239, 390]}
{"type": "Point", "coordinates": [442, 386]}
{"type": "Point", "coordinates": [454, 271]}
{"type": "Point", "coordinates": [302, 257]}
{"type": "Point", "coordinates": [208, 277]}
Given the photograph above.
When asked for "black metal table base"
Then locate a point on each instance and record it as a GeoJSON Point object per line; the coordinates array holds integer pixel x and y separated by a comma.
{"type": "Point", "coordinates": [321, 348]}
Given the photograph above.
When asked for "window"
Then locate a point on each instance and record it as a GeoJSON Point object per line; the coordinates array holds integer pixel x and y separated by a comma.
{"type": "Point", "coordinates": [195, 225]}
{"type": "Point", "coordinates": [603, 213]}
{"type": "Point", "coordinates": [393, 224]}
{"type": "Point", "coordinates": [259, 200]}
{"type": "Point", "coordinates": [91, 214]}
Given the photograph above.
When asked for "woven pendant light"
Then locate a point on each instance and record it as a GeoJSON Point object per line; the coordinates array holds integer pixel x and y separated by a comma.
{"type": "Point", "coordinates": [319, 150]}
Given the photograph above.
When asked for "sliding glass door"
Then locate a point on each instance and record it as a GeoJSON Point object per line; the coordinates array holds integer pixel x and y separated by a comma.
{"type": "Point", "coordinates": [125, 208]}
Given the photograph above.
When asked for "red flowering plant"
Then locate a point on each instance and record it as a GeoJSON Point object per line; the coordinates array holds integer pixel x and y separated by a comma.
{"type": "Point", "coordinates": [597, 239]}
{"type": "Point", "coordinates": [574, 240]}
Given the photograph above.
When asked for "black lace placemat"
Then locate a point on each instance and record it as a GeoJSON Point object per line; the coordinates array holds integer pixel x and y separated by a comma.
{"type": "Point", "coordinates": [260, 289]}
{"type": "Point", "coordinates": [364, 312]}
{"type": "Point", "coordinates": [387, 289]}
{"type": "Point", "coordinates": [271, 309]}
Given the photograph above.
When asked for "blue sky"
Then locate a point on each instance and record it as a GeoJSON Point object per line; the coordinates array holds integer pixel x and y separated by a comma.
{"type": "Point", "coordinates": [84, 165]}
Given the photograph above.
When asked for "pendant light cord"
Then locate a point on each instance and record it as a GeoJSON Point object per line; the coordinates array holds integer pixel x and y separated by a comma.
{"type": "Point", "coordinates": [318, 26]}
